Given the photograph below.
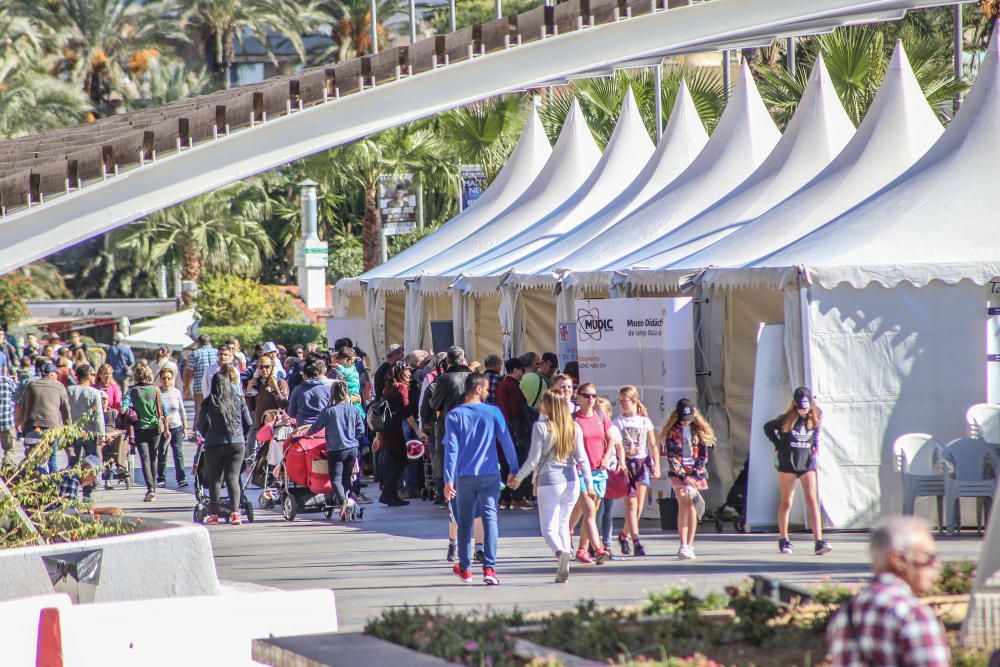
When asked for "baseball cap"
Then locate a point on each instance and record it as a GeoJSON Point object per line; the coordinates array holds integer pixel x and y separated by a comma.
{"type": "Point", "coordinates": [685, 409]}
{"type": "Point", "coordinates": [803, 398]}
{"type": "Point", "coordinates": [268, 348]}
{"type": "Point", "coordinates": [49, 368]}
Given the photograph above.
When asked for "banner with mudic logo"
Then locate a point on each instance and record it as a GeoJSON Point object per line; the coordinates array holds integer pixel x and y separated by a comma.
{"type": "Point", "coordinates": [648, 343]}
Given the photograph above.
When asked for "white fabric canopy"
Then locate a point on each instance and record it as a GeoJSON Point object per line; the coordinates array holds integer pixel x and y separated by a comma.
{"type": "Point", "coordinates": [898, 128]}
{"type": "Point", "coordinates": [168, 331]}
{"type": "Point", "coordinates": [744, 137]}
{"type": "Point", "coordinates": [522, 167]}
{"type": "Point", "coordinates": [682, 141]}
{"type": "Point", "coordinates": [573, 159]}
{"type": "Point", "coordinates": [628, 149]}
{"type": "Point", "coordinates": [937, 221]}
{"type": "Point", "coordinates": [817, 132]}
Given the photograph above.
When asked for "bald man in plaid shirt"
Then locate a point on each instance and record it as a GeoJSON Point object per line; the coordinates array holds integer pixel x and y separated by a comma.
{"type": "Point", "coordinates": [887, 624]}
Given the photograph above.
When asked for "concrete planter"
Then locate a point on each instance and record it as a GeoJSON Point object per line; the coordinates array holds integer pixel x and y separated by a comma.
{"type": "Point", "coordinates": [160, 560]}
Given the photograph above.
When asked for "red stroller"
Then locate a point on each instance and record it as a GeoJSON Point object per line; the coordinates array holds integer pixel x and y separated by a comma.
{"type": "Point", "coordinates": [305, 477]}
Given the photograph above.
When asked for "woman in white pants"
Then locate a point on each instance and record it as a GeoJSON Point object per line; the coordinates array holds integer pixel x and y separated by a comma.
{"type": "Point", "coordinates": [556, 453]}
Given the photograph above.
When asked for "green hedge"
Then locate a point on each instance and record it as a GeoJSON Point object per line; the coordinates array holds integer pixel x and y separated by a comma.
{"type": "Point", "coordinates": [282, 333]}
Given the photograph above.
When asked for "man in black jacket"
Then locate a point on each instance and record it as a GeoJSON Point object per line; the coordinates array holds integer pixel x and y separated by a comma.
{"type": "Point", "coordinates": [447, 391]}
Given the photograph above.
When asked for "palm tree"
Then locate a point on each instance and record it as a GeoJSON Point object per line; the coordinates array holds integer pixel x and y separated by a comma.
{"type": "Point", "coordinates": [601, 98]}
{"type": "Point", "coordinates": [349, 26]}
{"type": "Point", "coordinates": [92, 40]}
{"type": "Point", "coordinates": [406, 148]}
{"type": "Point", "coordinates": [158, 81]}
{"type": "Point", "coordinates": [219, 24]}
{"type": "Point", "coordinates": [30, 100]}
{"type": "Point", "coordinates": [484, 133]}
{"type": "Point", "coordinates": [220, 232]}
{"type": "Point", "coordinates": [857, 59]}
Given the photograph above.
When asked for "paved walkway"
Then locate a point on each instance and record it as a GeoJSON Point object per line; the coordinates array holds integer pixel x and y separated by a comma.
{"type": "Point", "coordinates": [396, 556]}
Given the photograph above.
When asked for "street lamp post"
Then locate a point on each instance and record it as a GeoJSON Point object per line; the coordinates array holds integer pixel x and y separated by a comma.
{"type": "Point", "coordinates": [374, 27]}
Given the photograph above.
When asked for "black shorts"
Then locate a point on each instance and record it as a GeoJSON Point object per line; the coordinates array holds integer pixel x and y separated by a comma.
{"type": "Point", "coordinates": [797, 473]}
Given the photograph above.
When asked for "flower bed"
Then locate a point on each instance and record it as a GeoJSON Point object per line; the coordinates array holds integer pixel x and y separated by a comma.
{"type": "Point", "coordinates": [674, 628]}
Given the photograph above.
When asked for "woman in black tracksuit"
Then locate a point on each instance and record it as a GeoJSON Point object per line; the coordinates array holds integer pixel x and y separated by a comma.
{"type": "Point", "coordinates": [795, 436]}
{"type": "Point", "coordinates": [224, 421]}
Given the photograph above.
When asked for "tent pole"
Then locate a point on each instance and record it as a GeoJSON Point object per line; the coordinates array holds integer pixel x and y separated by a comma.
{"type": "Point", "coordinates": [658, 98]}
{"type": "Point", "coordinates": [725, 72]}
{"type": "Point", "coordinates": [959, 48]}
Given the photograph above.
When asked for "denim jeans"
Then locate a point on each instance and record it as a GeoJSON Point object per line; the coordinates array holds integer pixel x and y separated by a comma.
{"type": "Point", "coordinates": [175, 440]}
{"type": "Point", "coordinates": [32, 438]}
{"type": "Point", "coordinates": [604, 521]}
{"type": "Point", "coordinates": [82, 448]}
{"type": "Point", "coordinates": [472, 490]}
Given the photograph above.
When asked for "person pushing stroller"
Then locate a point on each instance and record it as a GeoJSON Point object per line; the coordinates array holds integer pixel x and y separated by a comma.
{"type": "Point", "coordinates": [344, 431]}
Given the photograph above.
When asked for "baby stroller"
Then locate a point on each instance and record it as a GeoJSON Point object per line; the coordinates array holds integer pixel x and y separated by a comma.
{"type": "Point", "coordinates": [201, 494]}
{"type": "Point", "coordinates": [736, 502]}
{"type": "Point", "coordinates": [265, 469]}
{"type": "Point", "coordinates": [305, 477]}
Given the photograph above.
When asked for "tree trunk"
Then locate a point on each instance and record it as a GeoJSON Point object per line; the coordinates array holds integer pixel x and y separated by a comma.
{"type": "Point", "coordinates": [228, 49]}
{"type": "Point", "coordinates": [191, 264]}
{"type": "Point", "coordinates": [371, 229]}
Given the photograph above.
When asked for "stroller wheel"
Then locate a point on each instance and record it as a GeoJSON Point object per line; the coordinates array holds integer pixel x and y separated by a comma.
{"type": "Point", "coordinates": [199, 513]}
{"type": "Point", "coordinates": [288, 508]}
{"type": "Point", "coordinates": [740, 527]}
{"type": "Point", "coordinates": [328, 512]}
{"type": "Point", "coordinates": [247, 509]}
{"type": "Point", "coordinates": [128, 482]}
{"type": "Point", "coordinates": [718, 522]}
{"type": "Point", "coordinates": [262, 502]}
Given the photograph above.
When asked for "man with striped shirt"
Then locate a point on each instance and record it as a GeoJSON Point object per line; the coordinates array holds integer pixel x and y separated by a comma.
{"type": "Point", "coordinates": [194, 373]}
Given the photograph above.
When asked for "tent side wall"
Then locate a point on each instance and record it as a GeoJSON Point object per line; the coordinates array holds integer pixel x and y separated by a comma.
{"type": "Point", "coordinates": [488, 336]}
{"type": "Point", "coordinates": [395, 307]}
{"type": "Point", "coordinates": [889, 361]}
{"type": "Point", "coordinates": [539, 321]}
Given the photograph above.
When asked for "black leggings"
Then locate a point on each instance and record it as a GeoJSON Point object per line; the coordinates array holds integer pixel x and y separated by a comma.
{"type": "Point", "coordinates": [146, 441]}
{"type": "Point", "coordinates": [395, 462]}
{"type": "Point", "coordinates": [341, 464]}
{"type": "Point", "coordinates": [223, 461]}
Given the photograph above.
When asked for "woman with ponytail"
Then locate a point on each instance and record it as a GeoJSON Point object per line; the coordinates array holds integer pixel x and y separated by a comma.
{"type": "Point", "coordinates": [556, 453]}
{"type": "Point", "coordinates": [639, 440]}
{"type": "Point", "coordinates": [344, 430]}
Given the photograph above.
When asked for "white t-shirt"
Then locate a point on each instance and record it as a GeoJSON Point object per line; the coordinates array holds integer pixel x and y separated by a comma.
{"type": "Point", "coordinates": [635, 432]}
{"type": "Point", "coordinates": [614, 435]}
{"type": "Point", "coordinates": [687, 446]}
{"type": "Point", "coordinates": [173, 404]}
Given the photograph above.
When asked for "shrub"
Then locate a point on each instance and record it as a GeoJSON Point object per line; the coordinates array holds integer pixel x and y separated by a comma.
{"type": "Point", "coordinates": [956, 578]}
{"type": "Point", "coordinates": [293, 333]}
{"type": "Point", "coordinates": [15, 289]}
{"type": "Point", "coordinates": [345, 262]}
{"type": "Point", "coordinates": [247, 334]}
{"type": "Point", "coordinates": [231, 300]}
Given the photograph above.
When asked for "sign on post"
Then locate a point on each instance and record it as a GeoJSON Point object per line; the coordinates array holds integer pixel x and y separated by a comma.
{"type": "Point", "coordinates": [473, 184]}
{"type": "Point", "coordinates": [397, 201]}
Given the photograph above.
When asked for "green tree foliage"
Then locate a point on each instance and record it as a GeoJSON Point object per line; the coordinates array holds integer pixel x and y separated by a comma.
{"type": "Point", "coordinates": [349, 24]}
{"type": "Point", "coordinates": [216, 25]}
{"type": "Point", "coordinates": [161, 81]}
{"type": "Point", "coordinates": [225, 299]}
{"type": "Point", "coordinates": [484, 133]}
{"type": "Point", "coordinates": [857, 59]}
{"type": "Point", "coordinates": [469, 12]}
{"type": "Point", "coordinates": [15, 289]}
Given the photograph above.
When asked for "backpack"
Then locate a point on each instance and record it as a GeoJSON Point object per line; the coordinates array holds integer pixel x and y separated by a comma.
{"type": "Point", "coordinates": [380, 416]}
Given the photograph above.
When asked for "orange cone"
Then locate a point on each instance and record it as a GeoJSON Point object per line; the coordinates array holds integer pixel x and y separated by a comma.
{"type": "Point", "coordinates": [49, 651]}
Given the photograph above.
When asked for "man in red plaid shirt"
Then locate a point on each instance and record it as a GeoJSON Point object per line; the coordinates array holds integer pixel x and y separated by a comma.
{"type": "Point", "coordinates": [886, 624]}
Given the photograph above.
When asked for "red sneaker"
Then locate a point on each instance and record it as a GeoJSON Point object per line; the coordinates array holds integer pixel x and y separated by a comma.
{"type": "Point", "coordinates": [464, 575]}
{"type": "Point", "coordinates": [212, 520]}
{"type": "Point", "coordinates": [602, 556]}
{"type": "Point", "coordinates": [235, 519]}
{"type": "Point", "coordinates": [490, 577]}
{"type": "Point", "coordinates": [583, 556]}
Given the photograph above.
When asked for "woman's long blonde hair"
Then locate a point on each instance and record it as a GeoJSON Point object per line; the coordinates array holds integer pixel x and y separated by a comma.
{"type": "Point", "coordinates": [553, 406]}
{"type": "Point", "coordinates": [633, 393]}
{"type": "Point", "coordinates": [701, 430]}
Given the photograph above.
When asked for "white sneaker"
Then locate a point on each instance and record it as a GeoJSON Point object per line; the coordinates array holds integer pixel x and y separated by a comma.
{"type": "Point", "coordinates": [562, 575]}
{"type": "Point", "coordinates": [684, 552]}
{"type": "Point", "coordinates": [691, 555]}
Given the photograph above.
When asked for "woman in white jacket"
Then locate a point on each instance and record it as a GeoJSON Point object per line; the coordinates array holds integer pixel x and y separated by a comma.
{"type": "Point", "coordinates": [556, 453]}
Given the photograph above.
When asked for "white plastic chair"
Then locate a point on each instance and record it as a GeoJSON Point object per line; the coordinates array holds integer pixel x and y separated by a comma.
{"type": "Point", "coordinates": [983, 421]}
{"type": "Point", "coordinates": [969, 473]}
{"type": "Point", "coordinates": [918, 459]}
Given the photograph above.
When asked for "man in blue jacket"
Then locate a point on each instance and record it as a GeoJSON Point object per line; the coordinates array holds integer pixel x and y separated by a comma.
{"type": "Point", "coordinates": [472, 472]}
{"type": "Point", "coordinates": [311, 397]}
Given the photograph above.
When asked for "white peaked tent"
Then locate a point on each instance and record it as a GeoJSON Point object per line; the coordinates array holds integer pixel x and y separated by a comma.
{"type": "Point", "coordinates": [683, 139]}
{"type": "Point", "coordinates": [573, 159]}
{"type": "Point", "coordinates": [898, 128]}
{"type": "Point", "coordinates": [742, 140]}
{"type": "Point", "coordinates": [815, 135]}
{"type": "Point", "coordinates": [887, 302]}
{"type": "Point", "coordinates": [628, 150]}
{"type": "Point", "coordinates": [522, 167]}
